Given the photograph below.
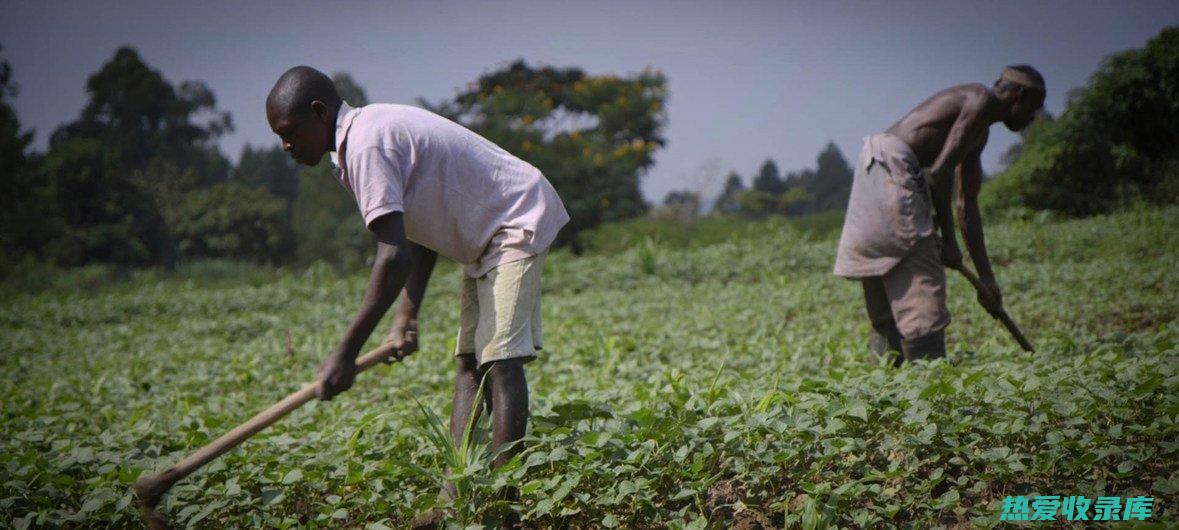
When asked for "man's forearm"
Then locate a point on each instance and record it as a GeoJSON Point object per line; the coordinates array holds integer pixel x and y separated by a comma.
{"type": "Point", "coordinates": [942, 193]}
{"type": "Point", "coordinates": [415, 284]}
{"type": "Point", "coordinates": [389, 274]}
{"type": "Point", "coordinates": [972, 233]}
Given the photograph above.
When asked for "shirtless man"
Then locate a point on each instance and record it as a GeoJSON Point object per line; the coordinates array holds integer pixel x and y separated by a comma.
{"type": "Point", "coordinates": [904, 181]}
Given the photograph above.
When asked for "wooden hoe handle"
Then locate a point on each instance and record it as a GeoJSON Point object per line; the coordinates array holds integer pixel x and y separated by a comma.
{"type": "Point", "coordinates": [1002, 316]}
{"type": "Point", "coordinates": [151, 488]}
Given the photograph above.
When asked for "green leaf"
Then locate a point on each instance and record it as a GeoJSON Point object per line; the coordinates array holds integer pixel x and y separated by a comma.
{"type": "Point", "coordinates": [292, 476]}
{"type": "Point", "coordinates": [271, 497]}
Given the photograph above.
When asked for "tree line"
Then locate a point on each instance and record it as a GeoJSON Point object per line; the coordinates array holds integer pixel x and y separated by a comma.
{"type": "Point", "coordinates": [825, 187]}
{"type": "Point", "coordinates": [138, 178]}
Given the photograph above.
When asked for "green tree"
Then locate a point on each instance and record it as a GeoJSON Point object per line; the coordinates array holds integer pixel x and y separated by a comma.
{"type": "Point", "coordinates": [683, 205]}
{"type": "Point", "coordinates": [769, 179]}
{"type": "Point", "coordinates": [756, 203]}
{"type": "Point", "coordinates": [27, 218]}
{"type": "Point", "coordinates": [232, 220]}
{"type": "Point", "coordinates": [270, 169]}
{"type": "Point", "coordinates": [113, 209]}
{"type": "Point", "coordinates": [326, 222]}
{"type": "Point", "coordinates": [593, 137]}
{"type": "Point", "coordinates": [800, 200]}
{"type": "Point", "coordinates": [1116, 142]}
{"type": "Point", "coordinates": [727, 202]}
{"type": "Point", "coordinates": [831, 184]}
{"type": "Point", "coordinates": [1012, 153]}
{"type": "Point", "coordinates": [795, 201]}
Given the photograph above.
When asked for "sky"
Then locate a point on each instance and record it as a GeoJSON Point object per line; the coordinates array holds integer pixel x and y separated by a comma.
{"type": "Point", "coordinates": [747, 80]}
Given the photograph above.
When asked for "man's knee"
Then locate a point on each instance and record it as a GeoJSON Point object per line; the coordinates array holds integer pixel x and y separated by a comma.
{"type": "Point", "coordinates": [505, 371]}
{"type": "Point", "coordinates": [465, 362]}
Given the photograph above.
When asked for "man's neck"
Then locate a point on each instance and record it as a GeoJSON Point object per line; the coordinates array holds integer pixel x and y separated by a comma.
{"type": "Point", "coordinates": [1001, 109]}
{"type": "Point", "coordinates": [333, 119]}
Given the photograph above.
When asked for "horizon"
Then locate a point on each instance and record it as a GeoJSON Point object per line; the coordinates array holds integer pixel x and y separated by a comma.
{"type": "Point", "coordinates": [733, 101]}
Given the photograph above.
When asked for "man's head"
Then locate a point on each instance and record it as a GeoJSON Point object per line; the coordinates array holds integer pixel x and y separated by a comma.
{"type": "Point", "coordinates": [301, 109]}
{"type": "Point", "coordinates": [1022, 88]}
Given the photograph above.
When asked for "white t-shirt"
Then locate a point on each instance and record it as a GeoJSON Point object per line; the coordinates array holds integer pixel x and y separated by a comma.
{"type": "Point", "coordinates": [462, 196]}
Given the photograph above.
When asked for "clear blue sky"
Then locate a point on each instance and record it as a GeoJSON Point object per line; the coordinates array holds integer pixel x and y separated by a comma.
{"type": "Point", "coordinates": [748, 80]}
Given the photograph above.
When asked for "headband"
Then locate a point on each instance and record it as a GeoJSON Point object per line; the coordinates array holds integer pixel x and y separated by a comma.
{"type": "Point", "coordinates": [1021, 78]}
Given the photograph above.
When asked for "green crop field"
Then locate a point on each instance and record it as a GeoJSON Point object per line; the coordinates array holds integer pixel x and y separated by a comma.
{"type": "Point", "coordinates": [726, 385]}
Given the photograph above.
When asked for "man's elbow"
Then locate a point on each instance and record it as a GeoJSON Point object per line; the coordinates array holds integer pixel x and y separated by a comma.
{"type": "Point", "coordinates": [393, 257]}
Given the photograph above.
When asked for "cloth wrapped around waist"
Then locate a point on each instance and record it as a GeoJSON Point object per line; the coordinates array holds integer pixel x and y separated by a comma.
{"type": "Point", "coordinates": [888, 212]}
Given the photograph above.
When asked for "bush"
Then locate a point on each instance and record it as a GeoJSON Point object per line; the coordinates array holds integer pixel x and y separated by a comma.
{"type": "Point", "coordinates": [1117, 141]}
{"type": "Point", "coordinates": [229, 220]}
{"type": "Point", "coordinates": [612, 238]}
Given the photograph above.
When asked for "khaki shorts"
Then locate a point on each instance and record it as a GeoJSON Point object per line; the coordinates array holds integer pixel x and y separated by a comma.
{"type": "Point", "coordinates": [500, 312]}
{"type": "Point", "coordinates": [913, 292]}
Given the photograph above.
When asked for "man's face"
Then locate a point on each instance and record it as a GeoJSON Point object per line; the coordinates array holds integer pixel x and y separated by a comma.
{"type": "Point", "coordinates": [1024, 111]}
{"type": "Point", "coordinates": [304, 136]}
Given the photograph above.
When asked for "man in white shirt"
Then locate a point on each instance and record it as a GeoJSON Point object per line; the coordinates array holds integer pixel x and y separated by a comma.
{"type": "Point", "coordinates": [426, 186]}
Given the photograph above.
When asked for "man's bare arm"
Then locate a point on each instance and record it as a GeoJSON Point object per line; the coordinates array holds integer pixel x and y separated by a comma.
{"type": "Point", "coordinates": [405, 322]}
{"type": "Point", "coordinates": [968, 128]}
{"type": "Point", "coordinates": [415, 285]}
{"type": "Point", "coordinates": [943, 192]}
{"type": "Point", "coordinates": [390, 269]}
{"type": "Point", "coordinates": [970, 176]}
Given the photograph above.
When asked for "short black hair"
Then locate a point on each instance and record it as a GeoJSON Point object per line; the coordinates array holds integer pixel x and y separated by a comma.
{"type": "Point", "coordinates": [298, 87]}
{"type": "Point", "coordinates": [1031, 73]}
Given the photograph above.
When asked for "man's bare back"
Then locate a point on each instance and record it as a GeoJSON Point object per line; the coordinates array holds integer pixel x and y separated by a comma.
{"type": "Point", "coordinates": [948, 132]}
{"type": "Point", "coordinates": [926, 128]}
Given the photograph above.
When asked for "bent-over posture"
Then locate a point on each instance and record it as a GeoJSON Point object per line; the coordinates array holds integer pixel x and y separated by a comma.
{"type": "Point", "coordinates": [427, 186]}
{"type": "Point", "coordinates": [900, 200]}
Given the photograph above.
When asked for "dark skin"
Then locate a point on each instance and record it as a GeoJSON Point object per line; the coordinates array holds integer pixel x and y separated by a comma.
{"type": "Point", "coordinates": [404, 267]}
{"type": "Point", "coordinates": [948, 132]}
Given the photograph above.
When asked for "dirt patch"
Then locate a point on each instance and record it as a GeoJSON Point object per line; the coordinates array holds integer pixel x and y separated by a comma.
{"type": "Point", "coordinates": [724, 502]}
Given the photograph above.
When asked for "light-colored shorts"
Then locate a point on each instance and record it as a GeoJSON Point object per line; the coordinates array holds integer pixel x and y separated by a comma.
{"type": "Point", "coordinates": [500, 312]}
{"type": "Point", "coordinates": [913, 291]}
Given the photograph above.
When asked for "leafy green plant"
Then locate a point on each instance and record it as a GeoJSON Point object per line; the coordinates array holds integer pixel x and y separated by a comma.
{"type": "Point", "coordinates": [731, 387]}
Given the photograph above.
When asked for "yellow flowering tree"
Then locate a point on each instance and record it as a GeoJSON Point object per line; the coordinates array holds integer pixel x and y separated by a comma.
{"type": "Point", "coordinates": [593, 136]}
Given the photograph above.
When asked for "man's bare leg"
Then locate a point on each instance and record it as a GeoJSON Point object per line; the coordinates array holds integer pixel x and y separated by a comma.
{"type": "Point", "coordinates": [466, 389]}
{"type": "Point", "coordinates": [509, 417]}
{"type": "Point", "coordinates": [509, 411]}
{"type": "Point", "coordinates": [506, 395]}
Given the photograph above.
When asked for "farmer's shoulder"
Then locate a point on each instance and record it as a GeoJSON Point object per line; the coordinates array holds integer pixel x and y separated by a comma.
{"type": "Point", "coordinates": [392, 123]}
{"type": "Point", "coordinates": [957, 98]}
{"type": "Point", "coordinates": [972, 98]}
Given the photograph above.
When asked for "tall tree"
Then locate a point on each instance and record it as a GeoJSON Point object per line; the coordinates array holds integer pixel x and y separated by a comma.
{"type": "Point", "coordinates": [27, 218]}
{"type": "Point", "coordinates": [115, 210]}
{"type": "Point", "coordinates": [769, 179]}
{"type": "Point", "coordinates": [349, 90]}
{"type": "Point", "coordinates": [683, 204]}
{"type": "Point", "coordinates": [832, 180]}
{"type": "Point", "coordinates": [271, 169]}
{"type": "Point", "coordinates": [1116, 142]}
{"type": "Point", "coordinates": [232, 220]}
{"type": "Point", "coordinates": [728, 202]}
{"type": "Point", "coordinates": [594, 137]}
{"type": "Point", "coordinates": [325, 220]}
